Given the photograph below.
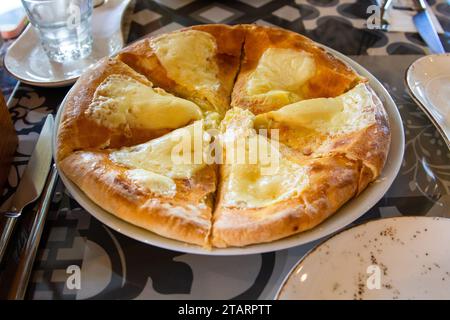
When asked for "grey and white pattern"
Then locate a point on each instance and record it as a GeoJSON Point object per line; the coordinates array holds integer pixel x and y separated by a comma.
{"type": "Point", "coordinates": [321, 20]}
{"type": "Point", "coordinates": [116, 267]}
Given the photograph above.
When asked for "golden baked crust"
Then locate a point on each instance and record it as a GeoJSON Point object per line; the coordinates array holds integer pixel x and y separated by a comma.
{"type": "Point", "coordinates": [369, 145]}
{"type": "Point", "coordinates": [185, 217]}
{"type": "Point", "coordinates": [333, 181]}
{"type": "Point", "coordinates": [332, 77]}
{"type": "Point", "coordinates": [142, 58]}
{"type": "Point", "coordinates": [339, 167]}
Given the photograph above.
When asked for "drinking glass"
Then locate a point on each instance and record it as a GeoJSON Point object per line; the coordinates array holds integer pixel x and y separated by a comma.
{"type": "Point", "coordinates": [64, 27]}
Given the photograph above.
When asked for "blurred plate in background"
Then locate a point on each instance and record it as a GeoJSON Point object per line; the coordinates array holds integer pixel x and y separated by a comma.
{"type": "Point", "coordinates": [428, 80]}
{"type": "Point", "coordinates": [27, 61]}
{"type": "Point", "coordinates": [395, 258]}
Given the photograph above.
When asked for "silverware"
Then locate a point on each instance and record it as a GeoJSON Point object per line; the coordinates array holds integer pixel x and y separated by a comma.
{"type": "Point", "coordinates": [27, 256]}
{"type": "Point", "coordinates": [31, 184]}
{"type": "Point", "coordinates": [384, 23]}
{"type": "Point", "coordinates": [426, 29]}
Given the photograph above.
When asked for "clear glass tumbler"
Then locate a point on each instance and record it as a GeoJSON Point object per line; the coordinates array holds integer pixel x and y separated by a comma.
{"type": "Point", "coordinates": [64, 27]}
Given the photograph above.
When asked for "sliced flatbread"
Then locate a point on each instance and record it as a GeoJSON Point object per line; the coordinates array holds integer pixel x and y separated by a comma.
{"type": "Point", "coordinates": [272, 198]}
{"type": "Point", "coordinates": [300, 133]}
{"type": "Point", "coordinates": [113, 106]}
{"type": "Point", "coordinates": [353, 124]}
{"type": "Point", "coordinates": [146, 187]}
{"type": "Point", "coordinates": [198, 63]}
{"type": "Point", "coordinates": [281, 67]}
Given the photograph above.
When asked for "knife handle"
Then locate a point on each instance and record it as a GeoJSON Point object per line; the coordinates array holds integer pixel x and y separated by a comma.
{"type": "Point", "coordinates": [7, 223]}
{"type": "Point", "coordinates": [421, 5]}
{"type": "Point", "coordinates": [28, 254]}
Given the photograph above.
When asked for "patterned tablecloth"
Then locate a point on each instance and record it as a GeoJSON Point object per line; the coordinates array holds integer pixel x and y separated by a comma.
{"type": "Point", "coordinates": [117, 267]}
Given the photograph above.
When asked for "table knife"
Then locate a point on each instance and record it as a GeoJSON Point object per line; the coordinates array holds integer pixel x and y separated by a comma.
{"type": "Point", "coordinates": [27, 255]}
{"type": "Point", "coordinates": [425, 27]}
{"type": "Point", "coordinates": [31, 184]}
{"type": "Point", "coordinates": [384, 8]}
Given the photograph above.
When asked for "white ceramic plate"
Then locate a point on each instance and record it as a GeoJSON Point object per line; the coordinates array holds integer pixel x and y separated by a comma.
{"type": "Point", "coordinates": [27, 61]}
{"type": "Point", "coordinates": [395, 258]}
{"type": "Point", "coordinates": [428, 80]}
{"type": "Point", "coordinates": [346, 215]}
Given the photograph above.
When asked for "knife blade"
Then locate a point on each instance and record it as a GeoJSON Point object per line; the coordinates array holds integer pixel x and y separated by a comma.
{"type": "Point", "coordinates": [31, 184]}
{"type": "Point", "coordinates": [425, 27]}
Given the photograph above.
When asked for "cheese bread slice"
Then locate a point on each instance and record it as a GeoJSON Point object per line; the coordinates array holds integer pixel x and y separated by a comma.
{"type": "Point", "coordinates": [198, 63]}
{"type": "Point", "coordinates": [164, 185]}
{"type": "Point", "coordinates": [266, 194]}
{"type": "Point", "coordinates": [281, 67]}
{"type": "Point", "coordinates": [114, 106]}
{"type": "Point", "coordinates": [354, 124]}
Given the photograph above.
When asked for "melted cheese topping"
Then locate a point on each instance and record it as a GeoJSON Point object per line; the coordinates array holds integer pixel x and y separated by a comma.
{"type": "Point", "coordinates": [348, 112]}
{"type": "Point", "coordinates": [123, 103]}
{"type": "Point", "coordinates": [153, 182]}
{"type": "Point", "coordinates": [280, 74]}
{"type": "Point", "coordinates": [248, 186]}
{"type": "Point", "coordinates": [258, 174]}
{"type": "Point", "coordinates": [189, 58]}
{"type": "Point", "coordinates": [178, 155]}
{"type": "Point", "coordinates": [236, 123]}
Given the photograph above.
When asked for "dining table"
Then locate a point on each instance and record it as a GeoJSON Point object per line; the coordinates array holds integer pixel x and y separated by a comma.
{"type": "Point", "coordinates": [114, 266]}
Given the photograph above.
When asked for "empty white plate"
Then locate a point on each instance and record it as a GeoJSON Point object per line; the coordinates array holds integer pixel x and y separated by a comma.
{"type": "Point", "coordinates": [27, 61]}
{"type": "Point", "coordinates": [428, 80]}
{"type": "Point", "coordinates": [395, 258]}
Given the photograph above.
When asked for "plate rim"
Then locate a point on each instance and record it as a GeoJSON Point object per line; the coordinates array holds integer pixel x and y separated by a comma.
{"type": "Point", "coordinates": [280, 244]}
{"type": "Point", "coordinates": [417, 100]}
{"type": "Point", "coordinates": [348, 228]}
